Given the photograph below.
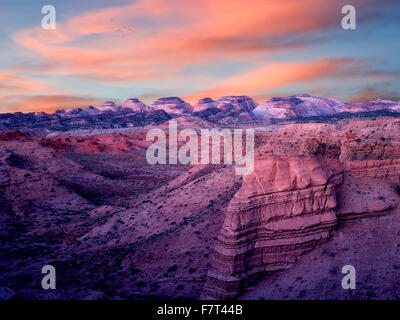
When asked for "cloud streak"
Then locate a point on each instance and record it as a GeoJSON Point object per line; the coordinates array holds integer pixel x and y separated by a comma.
{"type": "Point", "coordinates": [274, 75]}
{"type": "Point", "coordinates": [177, 33]}
{"type": "Point", "coordinates": [48, 103]}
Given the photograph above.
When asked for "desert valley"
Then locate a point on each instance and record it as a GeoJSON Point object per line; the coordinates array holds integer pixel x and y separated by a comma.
{"type": "Point", "coordinates": [77, 192]}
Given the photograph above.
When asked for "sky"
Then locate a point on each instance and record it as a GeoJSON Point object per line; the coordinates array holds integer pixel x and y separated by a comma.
{"type": "Point", "coordinates": [115, 50]}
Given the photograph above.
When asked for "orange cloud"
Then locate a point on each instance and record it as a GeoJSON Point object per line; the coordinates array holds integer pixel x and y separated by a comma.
{"type": "Point", "coordinates": [12, 83]}
{"type": "Point", "coordinates": [49, 103]}
{"type": "Point", "coordinates": [274, 75]}
{"type": "Point", "coordinates": [14, 86]}
{"type": "Point", "coordinates": [176, 33]}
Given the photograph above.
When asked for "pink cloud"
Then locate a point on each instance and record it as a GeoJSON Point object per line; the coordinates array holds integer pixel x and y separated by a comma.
{"type": "Point", "coordinates": [47, 103]}
{"type": "Point", "coordinates": [176, 33]}
{"type": "Point", "coordinates": [12, 83]}
{"type": "Point", "coordinates": [274, 75]}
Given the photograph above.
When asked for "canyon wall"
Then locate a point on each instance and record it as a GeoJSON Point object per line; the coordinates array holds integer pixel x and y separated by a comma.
{"type": "Point", "coordinates": [297, 194]}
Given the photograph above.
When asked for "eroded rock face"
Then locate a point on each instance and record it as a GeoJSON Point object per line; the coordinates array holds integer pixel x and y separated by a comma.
{"type": "Point", "coordinates": [240, 103]}
{"type": "Point", "coordinates": [297, 106]}
{"type": "Point", "coordinates": [227, 103]}
{"type": "Point", "coordinates": [173, 105]}
{"type": "Point", "coordinates": [371, 106]}
{"type": "Point", "coordinates": [300, 189]}
{"type": "Point", "coordinates": [205, 103]}
{"type": "Point", "coordinates": [92, 111]}
{"type": "Point", "coordinates": [305, 105]}
{"type": "Point", "coordinates": [134, 104]}
{"type": "Point", "coordinates": [108, 106]}
{"type": "Point", "coordinates": [225, 111]}
{"type": "Point", "coordinates": [284, 209]}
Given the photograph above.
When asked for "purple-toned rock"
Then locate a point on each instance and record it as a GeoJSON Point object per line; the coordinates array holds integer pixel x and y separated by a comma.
{"type": "Point", "coordinates": [40, 114]}
{"type": "Point", "coordinates": [371, 106]}
{"type": "Point", "coordinates": [172, 105]}
{"type": "Point", "coordinates": [73, 111]}
{"type": "Point", "coordinates": [92, 111]}
{"type": "Point", "coordinates": [134, 104]}
{"type": "Point", "coordinates": [227, 104]}
{"type": "Point", "coordinates": [204, 104]}
{"type": "Point", "coordinates": [108, 106]}
{"type": "Point", "coordinates": [297, 106]}
{"type": "Point", "coordinates": [227, 107]}
{"type": "Point", "coordinates": [239, 103]}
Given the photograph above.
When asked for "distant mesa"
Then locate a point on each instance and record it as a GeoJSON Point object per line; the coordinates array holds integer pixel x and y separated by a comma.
{"type": "Point", "coordinates": [305, 105]}
{"type": "Point", "coordinates": [92, 111]}
{"type": "Point", "coordinates": [227, 110]}
{"type": "Point", "coordinates": [108, 106]}
{"type": "Point", "coordinates": [302, 105]}
{"type": "Point", "coordinates": [227, 103]}
{"type": "Point", "coordinates": [205, 103]}
{"type": "Point", "coordinates": [291, 107]}
{"type": "Point", "coordinates": [239, 103]}
{"type": "Point", "coordinates": [73, 111]}
{"type": "Point", "coordinates": [378, 104]}
{"type": "Point", "coordinates": [134, 104]}
{"type": "Point", "coordinates": [172, 105]}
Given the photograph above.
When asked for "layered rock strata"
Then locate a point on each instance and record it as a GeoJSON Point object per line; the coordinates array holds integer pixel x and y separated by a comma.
{"type": "Point", "coordinates": [291, 203]}
{"type": "Point", "coordinates": [284, 209]}
{"type": "Point", "coordinates": [172, 105]}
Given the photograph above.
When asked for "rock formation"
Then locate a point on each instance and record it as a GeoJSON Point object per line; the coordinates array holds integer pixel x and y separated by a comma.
{"type": "Point", "coordinates": [227, 103]}
{"type": "Point", "coordinates": [285, 208]}
{"type": "Point", "coordinates": [108, 106]}
{"type": "Point", "coordinates": [239, 103]}
{"type": "Point", "coordinates": [225, 111]}
{"type": "Point", "coordinates": [205, 103]}
{"type": "Point", "coordinates": [172, 105]}
{"type": "Point", "coordinates": [297, 106]}
{"type": "Point", "coordinates": [305, 105]}
{"type": "Point", "coordinates": [134, 104]}
{"type": "Point", "coordinates": [289, 205]}
{"type": "Point", "coordinates": [371, 106]}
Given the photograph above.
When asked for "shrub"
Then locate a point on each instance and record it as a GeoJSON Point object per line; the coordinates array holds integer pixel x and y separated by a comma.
{"type": "Point", "coordinates": [396, 188]}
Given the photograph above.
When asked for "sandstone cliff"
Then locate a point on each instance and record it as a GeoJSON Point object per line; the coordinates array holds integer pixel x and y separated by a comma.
{"type": "Point", "coordinates": [290, 204]}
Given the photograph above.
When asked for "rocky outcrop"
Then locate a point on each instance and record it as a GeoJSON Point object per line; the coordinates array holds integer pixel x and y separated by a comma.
{"type": "Point", "coordinates": [371, 106]}
{"type": "Point", "coordinates": [225, 111]}
{"type": "Point", "coordinates": [205, 103]}
{"type": "Point", "coordinates": [239, 103]}
{"type": "Point", "coordinates": [173, 105]}
{"type": "Point", "coordinates": [298, 192]}
{"type": "Point", "coordinates": [108, 106]}
{"type": "Point", "coordinates": [227, 104]}
{"type": "Point", "coordinates": [297, 106]}
{"type": "Point", "coordinates": [285, 208]}
{"type": "Point", "coordinates": [134, 104]}
{"type": "Point", "coordinates": [89, 119]}
{"type": "Point", "coordinates": [305, 105]}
